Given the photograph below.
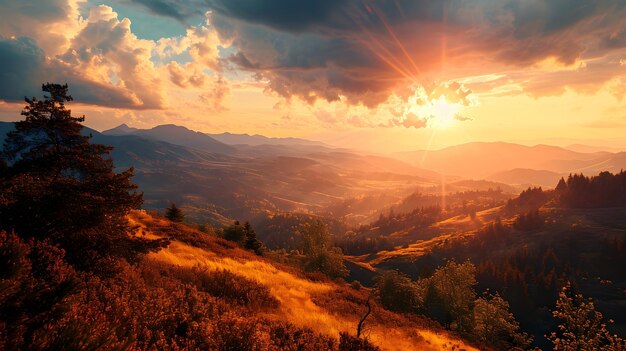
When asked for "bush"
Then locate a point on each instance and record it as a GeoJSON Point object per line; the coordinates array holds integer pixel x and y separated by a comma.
{"type": "Point", "coordinates": [348, 342]}
{"type": "Point", "coordinates": [320, 255]}
{"type": "Point", "coordinates": [233, 287]}
{"type": "Point", "coordinates": [397, 292]}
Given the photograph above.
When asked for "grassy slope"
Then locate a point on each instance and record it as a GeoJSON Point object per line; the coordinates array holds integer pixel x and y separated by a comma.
{"type": "Point", "coordinates": [324, 306]}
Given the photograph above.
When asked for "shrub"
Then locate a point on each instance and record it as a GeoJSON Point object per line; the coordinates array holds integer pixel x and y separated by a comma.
{"type": "Point", "coordinates": [348, 342]}
{"type": "Point", "coordinates": [398, 292]}
{"type": "Point", "coordinates": [230, 286]}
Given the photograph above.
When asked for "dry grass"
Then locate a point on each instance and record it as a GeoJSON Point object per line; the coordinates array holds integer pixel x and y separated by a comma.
{"type": "Point", "coordinates": [323, 306]}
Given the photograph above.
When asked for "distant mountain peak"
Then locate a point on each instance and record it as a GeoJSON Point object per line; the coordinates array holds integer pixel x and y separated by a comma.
{"type": "Point", "coordinates": [122, 129]}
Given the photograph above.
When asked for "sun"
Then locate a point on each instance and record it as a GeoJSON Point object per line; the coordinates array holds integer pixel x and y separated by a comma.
{"type": "Point", "coordinates": [443, 113]}
{"type": "Point", "coordinates": [423, 109]}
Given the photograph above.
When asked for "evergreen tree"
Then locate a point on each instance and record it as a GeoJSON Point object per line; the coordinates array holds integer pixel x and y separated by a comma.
{"type": "Point", "coordinates": [59, 186]}
{"type": "Point", "coordinates": [251, 242]}
{"type": "Point", "coordinates": [235, 232]}
{"type": "Point", "coordinates": [174, 213]}
{"type": "Point", "coordinates": [561, 186]}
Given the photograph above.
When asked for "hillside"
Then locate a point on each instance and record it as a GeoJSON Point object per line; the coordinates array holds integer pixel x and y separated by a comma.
{"type": "Point", "coordinates": [322, 306]}
{"type": "Point", "coordinates": [523, 178]}
{"type": "Point", "coordinates": [526, 254]}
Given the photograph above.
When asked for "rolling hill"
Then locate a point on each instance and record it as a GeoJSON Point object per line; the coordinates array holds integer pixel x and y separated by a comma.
{"type": "Point", "coordinates": [177, 135]}
{"type": "Point", "coordinates": [523, 178]}
{"type": "Point", "coordinates": [247, 181]}
{"type": "Point", "coordinates": [482, 159]}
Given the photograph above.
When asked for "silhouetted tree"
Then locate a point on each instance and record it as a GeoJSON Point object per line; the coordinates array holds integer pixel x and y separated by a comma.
{"type": "Point", "coordinates": [60, 186]}
{"type": "Point", "coordinates": [174, 213]}
{"type": "Point", "coordinates": [561, 186]}
{"type": "Point", "coordinates": [235, 232]}
{"type": "Point", "coordinates": [604, 190]}
{"type": "Point", "coordinates": [251, 242]}
{"type": "Point", "coordinates": [530, 221]}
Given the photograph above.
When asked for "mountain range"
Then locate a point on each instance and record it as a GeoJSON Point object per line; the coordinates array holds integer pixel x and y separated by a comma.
{"type": "Point", "coordinates": [481, 160]}
{"type": "Point", "coordinates": [219, 179]}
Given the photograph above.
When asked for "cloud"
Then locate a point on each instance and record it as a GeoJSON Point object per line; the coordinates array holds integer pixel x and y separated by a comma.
{"type": "Point", "coordinates": [364, 52]}
{"type": "Point", "coordinates": [187, 75]}
{"type": "Point", "coordinates": [50, 23]}
{"type": "Point", "coordinates": [21, 65]}
{"type": "Point", "coordinates": [104, 63]}
{"type": "Point", "coordinates": [179, 10]}
{"type": "Point", "coordinates": [106, 50]}
{"type": "Point", "coordinates": [24, 67]}
{"type": "Point", "coordinates": [214, 98]}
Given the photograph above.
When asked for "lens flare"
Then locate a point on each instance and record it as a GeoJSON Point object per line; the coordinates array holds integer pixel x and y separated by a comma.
{"type": "Point", "coordinates": [423, 109]}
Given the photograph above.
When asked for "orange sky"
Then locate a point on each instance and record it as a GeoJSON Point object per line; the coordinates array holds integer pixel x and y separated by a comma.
{"type": "Point", "coordinates": [374, 75]}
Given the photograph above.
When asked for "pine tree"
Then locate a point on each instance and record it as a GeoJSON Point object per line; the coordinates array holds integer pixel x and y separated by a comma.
{"type": "Point", "coordinates": [174, 213]}
{"type": "Point", "coordinates": [251, 242]}
{"type": "Point", "coordinates": [59, 186]}
{"type": "Point", "coordinates": [561, 186]}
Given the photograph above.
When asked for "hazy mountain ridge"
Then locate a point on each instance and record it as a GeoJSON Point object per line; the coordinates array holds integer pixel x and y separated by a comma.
{"type": "Point", "coordinates": [175, 135]}
{"type": "Point", "coordinates": [482, 159]}
{"type": "Point", "coordinates": [227, 138]}
{"type": "Point", "coordinates": [245, 183]}
{"type": "Point", "coordinates": [524, 177]}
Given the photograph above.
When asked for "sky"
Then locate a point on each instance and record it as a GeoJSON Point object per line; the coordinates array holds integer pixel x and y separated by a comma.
{"type": "Point", "coordinates": [391, 75]}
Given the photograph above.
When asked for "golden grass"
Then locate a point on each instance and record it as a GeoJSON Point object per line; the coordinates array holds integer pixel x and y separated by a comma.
{"type": "Point", "coordinates": [298, 296]}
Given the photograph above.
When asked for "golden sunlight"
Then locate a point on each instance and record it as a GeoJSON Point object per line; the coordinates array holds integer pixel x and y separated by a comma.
{"type": "Point", "coordinates": [423, 110]}
{"type": "Point", "coordinates": [443, 112]}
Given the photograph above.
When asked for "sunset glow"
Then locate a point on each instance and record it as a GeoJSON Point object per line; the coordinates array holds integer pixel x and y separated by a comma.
{"type": "Point", "coordinates": [489, 72]}
{"type": "Point", "coordinates": [371, 175]}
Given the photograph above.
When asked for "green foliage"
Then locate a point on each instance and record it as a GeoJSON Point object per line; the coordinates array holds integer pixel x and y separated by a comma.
{"type": "Point", "coordinates": [449, 297]}
{"type": "Point", "coordinates": [397, 292]}
{"type": "Point", "coordinates": [581, 326]}
{"type": "Point", "coordinates": [450, 294]}
{"type": "Point", "coordinates": [174, 213]}
{"type": "Point", "coordinates": [60, 187]}
{"type": "Point", "coordinates": [493, 324]}
{"type": "Point", "coordinates": [320, 255]}
{"type": "Point", "coordinates": [235, 232]}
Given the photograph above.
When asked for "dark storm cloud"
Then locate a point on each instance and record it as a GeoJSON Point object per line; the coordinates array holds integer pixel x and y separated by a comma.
{"type": "Point", "coordinates": [285, 15]}
{"type": "Point", "coordinates": [180, 10]}
{"type": "Point", "coordinates": [21, 65]}
{"type": "Point", "coordinates": [364, 50]}
{"type": "Point", "coordinates": [24, 67]}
